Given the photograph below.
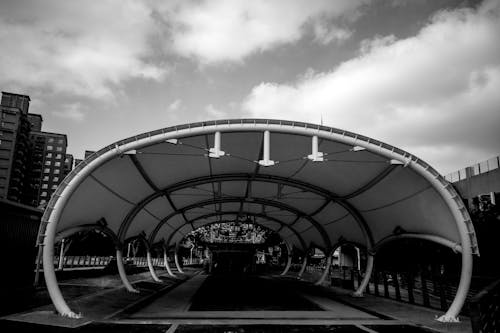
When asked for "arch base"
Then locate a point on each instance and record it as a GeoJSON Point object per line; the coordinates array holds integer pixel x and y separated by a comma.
{"type": "Point", "coordinates": [448, 319]}
{"type": "Point", "coordinates": [357, 294]}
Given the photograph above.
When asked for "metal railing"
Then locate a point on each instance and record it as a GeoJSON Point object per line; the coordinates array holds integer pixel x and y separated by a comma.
{"type": "Point", "coordinates": [425, 288]}
{"type": "Point", "coordinates": [485, 309]}
{"type": "Point", "coordinates": [100, 261]}
{"type": "Point", "coordinates": [476, 169]}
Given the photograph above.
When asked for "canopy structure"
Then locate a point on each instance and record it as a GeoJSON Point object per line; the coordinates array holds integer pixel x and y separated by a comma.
{"type": "Point", "coordinates": [314, 185]}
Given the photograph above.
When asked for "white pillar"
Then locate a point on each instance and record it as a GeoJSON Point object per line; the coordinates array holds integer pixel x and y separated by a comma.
{"type": "Point", "coordinates": [165, 262]}
{"type": "Point", "coordinates": [358, 264]}
{"type": "Point", "coordinates": [368, 272]}
{"type": "Point", "coordinates": [123, 274]}
{"type": "Point", "coordinates": [340, 257]}
{"type": "Point", "coordinates": [151, 268]}
{"type": "Point", "coordinates": [303, 268]}
{"type": "Point", "coordinates": [327, 269]}
{"type": "Point", "coordinates": [288, 261]}
{"type": "Point", "coordinates": [61, 256]}
{"type": "Point", "coordinates": [215, 152]}
{"type": "Point", "coordinates": [463, 287]}
{"type": "Point", "coordinates": [50, 274]}
{"type": "Point", "coordinates": [176, 259]}
{"type": "Point", "coordinates": [266, 156]}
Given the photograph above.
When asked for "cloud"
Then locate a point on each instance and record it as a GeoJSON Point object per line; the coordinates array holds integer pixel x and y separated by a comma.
{"type": "Point", "coordinates": [435, 94]}
{"type": "Point", "coordinates": [214, 113]}
{"type": "Point", "coordinates": [74, 47]}
{"type": "Point", "coordinates": [175, 105]}
{"type": "Point", "coordinates": [71, 111]}
{"type": "Point", "coordinates": [218, 31]}
{"type": "Point", "coordinates": [325, 34]}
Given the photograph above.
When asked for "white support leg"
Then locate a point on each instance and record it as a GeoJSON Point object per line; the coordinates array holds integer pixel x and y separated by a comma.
{"type": "Point", "coordinates": [288, 261]}
{"type": "Point", "coordinates": [165, 262]}
{"type": "Point", "coordinates": [451, 316]}
{"type": "Point", "coordinates": [303, 268]}
{"type": "Point", "coordinates": [368, 272]}
{"type": "Point", "coordinates": [61, 256]}
{"type": "Point", "coordinates": [50, 275]}
{"type": "Point", "coordinates": [151, 268]}
{"type": "Point", "coordinates": [315, 156]}
{"type": "Point", "coordinates": [326, 271]}
{"type": "Point", "coordinates": [176, 259]}
{"type": "Point", "coordinates": [266, 160]}
{"type": "Point", "coordinates": [123, 274]}
{"type": "Point", "coordinates": [215, 151]}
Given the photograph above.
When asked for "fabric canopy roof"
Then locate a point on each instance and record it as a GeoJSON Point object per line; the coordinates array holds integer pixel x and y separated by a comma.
{"type": "Point", "coordinates": [318, 185]}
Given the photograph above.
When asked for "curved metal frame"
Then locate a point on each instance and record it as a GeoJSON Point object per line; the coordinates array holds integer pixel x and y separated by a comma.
{"type": "Point", "coordinates": [118, 247]}
{"type": "Point", "coordinates": [148, 255]}
{"type": "Point", "coordinates": [266, 202]}
{"type": "Point", "coordinates": [329, 196]}
{"type": "Point", "coordinates": [52, 214]}
{"type": "Point", "coordinates": [409, 235]}
{"type": "Point", "coordinates": [165, 261]}
{"type": "Point", "coordinates": [270, 218]}
{"type": "Point", "coordinates": [288, 259]}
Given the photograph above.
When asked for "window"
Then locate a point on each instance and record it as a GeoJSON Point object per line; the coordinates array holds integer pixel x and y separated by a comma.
{"type": "Point", "coordinates": [54, 187]}
{"type": "Point", "coordinates": [59, 149]}
{"type": "Point", "coordinates": [58, 156]}
{"type": "Point", "coordinates": [42, 202]}
{"type": "Point", "coordinates": [47, 163]}
{"type": "Point", "coordinates": [44, 194]}
{"type": "Point", "coordinates": [49, 155]}
{"type": "Point", "coordinates": [57, 164]}
{"type": "Point", "coordinates": [45, 186]}
{"type": "Point", "coordinates": [60, 141]}
{"type": "Point", "coordinates": [45, 178]}
{"type": "Point", "coordinates": [46, 170]}
{"type": "Point", "coordinates": [56, 179]}
{"type": "Point", "coordinates": [50, 148]}
{"type": "Point", "coordinates": [57, 171]}
{"type": "Point", "coordinates": [51, 140]}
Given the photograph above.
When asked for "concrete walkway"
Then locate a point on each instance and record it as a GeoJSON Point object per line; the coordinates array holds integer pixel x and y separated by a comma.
{"type": "Point", "coordinates": [170, 305]}
{"type": "Point", "coordinates": [177, 300]}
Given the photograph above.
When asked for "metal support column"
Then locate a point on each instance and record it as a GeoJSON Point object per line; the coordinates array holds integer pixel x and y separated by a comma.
{"type": "Point", "coordinates": [303, 268]}
{"type": "Point", "coordinates": [61, 256]}
{"type": "Point", "coordinates": [165, 262]}
{"type": "Point", "coordinates": [368, 272]}
{"type": "Point", "coordinates": [123, 274]}
{"type": "Point", "coordinates": [327, 269]}
{"type": "Point", "coordinates": [176, 259]}
{"type": "Point", "coordinates": [288, 261]}
{"type": "Point", "coordinates": [150, 266]}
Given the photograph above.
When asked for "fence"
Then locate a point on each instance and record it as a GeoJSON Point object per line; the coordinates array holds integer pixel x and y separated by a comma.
{"type": "Point", "coordinates": [425, 288]}
{"type": "Point", "coordinates": [485, 309]}
{"type": "Point", "coordinates": [101, 261]}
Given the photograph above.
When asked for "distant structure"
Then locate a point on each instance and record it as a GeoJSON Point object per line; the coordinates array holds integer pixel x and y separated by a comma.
{"type": "Point", "coordinates": [68, 164]}
{"type": "Point", "coordinates": [32, 162]}
{"type": "Point", "coordinates": [87, 154]}
{"type": "Point", "coordinates": [478, 184]}
{"type": "Point", "coordinates": [51, 155]}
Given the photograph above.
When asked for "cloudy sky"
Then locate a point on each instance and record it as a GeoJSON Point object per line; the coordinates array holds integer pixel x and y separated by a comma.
{"type": "Point", "coordinates": [423, 75]}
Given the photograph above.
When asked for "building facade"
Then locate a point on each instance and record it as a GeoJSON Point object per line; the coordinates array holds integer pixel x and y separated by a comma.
{"type": "Point", "coordinates": [32, 162]}
{"type": "Point", "coordinates": [14, 145]}
{"type": "Point", "coordinates": [51, 158]}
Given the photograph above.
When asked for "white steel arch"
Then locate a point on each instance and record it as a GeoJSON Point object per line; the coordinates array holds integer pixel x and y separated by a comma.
{"type": "Point", "coordinates": [454, 206]}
